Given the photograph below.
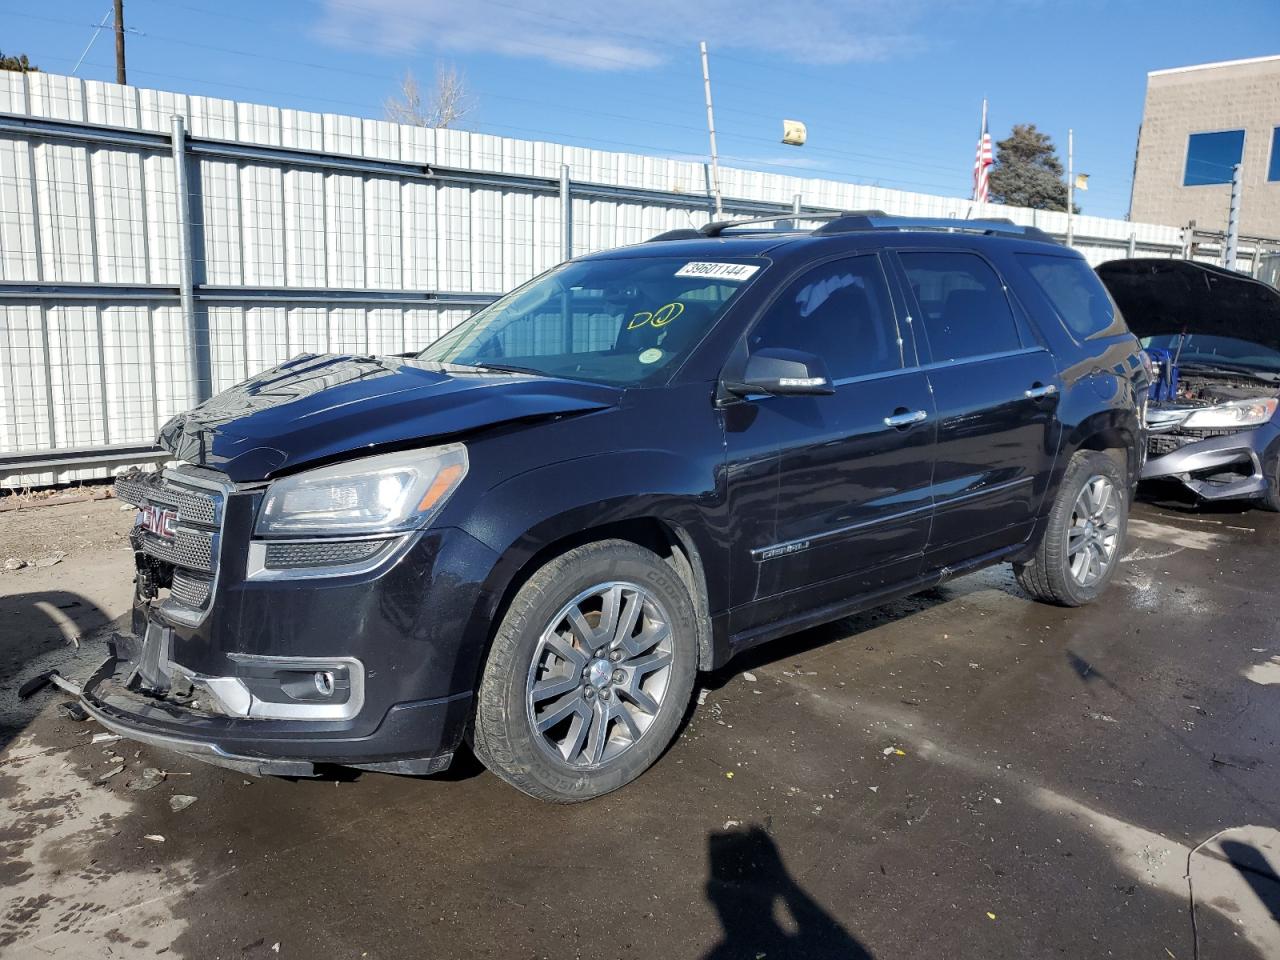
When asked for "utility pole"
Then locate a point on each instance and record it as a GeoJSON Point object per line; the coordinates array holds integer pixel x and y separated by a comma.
{"type": "Point", "coordinates": [120, 42]}
{"type": "Point", "coordinates": [1231, 246]}
{"type": "Point", "coordinates": [711, 130]}
{"type": "Point", "coordinates": [1071, 188]}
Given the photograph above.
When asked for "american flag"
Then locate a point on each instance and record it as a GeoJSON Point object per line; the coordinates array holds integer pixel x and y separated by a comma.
{"type": "Point", "coordinates": [983, 161]}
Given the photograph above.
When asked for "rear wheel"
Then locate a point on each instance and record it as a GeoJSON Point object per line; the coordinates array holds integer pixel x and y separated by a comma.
{"type": "Point", "coordinates": [589, 674]}
{"type": "Point", "coordinates": [1080, 550]}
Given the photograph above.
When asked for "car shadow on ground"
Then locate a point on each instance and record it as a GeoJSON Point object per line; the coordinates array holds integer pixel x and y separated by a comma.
{"type": "Point", "coordinates": [43, 630]}
{"type": "Point", "coordinates": [749, 887]}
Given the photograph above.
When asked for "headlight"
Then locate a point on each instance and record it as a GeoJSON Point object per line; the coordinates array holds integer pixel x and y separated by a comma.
{"type": "Point", "coordinates": [382, 494]}
{"type": "Point", "coordinates": [1237, 413]}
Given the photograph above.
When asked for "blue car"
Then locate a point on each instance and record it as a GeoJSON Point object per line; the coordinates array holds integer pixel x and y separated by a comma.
{"type": "Point", "coordinates": [531, 536]}
{"type": "Point", "coordinates": [1216, 334]}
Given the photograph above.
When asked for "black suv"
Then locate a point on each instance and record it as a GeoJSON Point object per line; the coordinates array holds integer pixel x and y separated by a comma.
{"type": "Point", "coordinates": [533, 534]}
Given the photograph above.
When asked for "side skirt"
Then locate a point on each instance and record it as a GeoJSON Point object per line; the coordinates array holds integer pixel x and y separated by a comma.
{"type": "Point", "coordinates": [834, 611]}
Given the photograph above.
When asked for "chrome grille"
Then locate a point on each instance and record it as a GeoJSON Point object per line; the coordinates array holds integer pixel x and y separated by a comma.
{"type": "Point", "coordinates": [191, 590]}
{"type": "Point", "coordinates": [198, 498]}
{"type": "Point", "coordinates": [189, 548]}
{"type": "Point", "coordinates": [193, 506]}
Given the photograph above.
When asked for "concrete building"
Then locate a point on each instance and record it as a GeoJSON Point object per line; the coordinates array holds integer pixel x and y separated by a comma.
{"type": "Point", "coordinates": [1196, 124]}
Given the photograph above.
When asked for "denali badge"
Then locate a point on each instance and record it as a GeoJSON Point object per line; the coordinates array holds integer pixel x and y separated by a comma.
{"type": "Point", "coordinates": [157, 520]}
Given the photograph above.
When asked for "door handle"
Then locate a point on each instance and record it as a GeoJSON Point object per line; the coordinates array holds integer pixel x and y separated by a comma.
{"type": "Point", "coordinates": [906, 418]}
{"type": "Point", "coordinates": [1040, 391]}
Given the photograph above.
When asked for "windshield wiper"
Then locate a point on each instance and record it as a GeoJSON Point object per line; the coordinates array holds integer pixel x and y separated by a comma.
{"type": "Point", "coordinates": [508, 368]}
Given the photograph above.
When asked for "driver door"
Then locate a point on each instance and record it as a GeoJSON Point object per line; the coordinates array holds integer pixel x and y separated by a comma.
{"type": "Point", "coordinates": [852, 476]}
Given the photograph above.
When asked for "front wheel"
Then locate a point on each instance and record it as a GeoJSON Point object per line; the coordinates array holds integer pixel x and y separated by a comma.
{"type": "Point", "coordinates": [1271, 499]}
{"type": "Point", "coordinates": [1080, 550]}
{"type": "Point", "coordinates": [589, 674]}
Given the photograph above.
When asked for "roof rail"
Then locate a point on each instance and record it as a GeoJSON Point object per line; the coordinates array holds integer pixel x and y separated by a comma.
{"type": "Point", "coordinates": [995, 226]}
{"type": "Point", "coordinates": [856, 221]}
{"type": "Point", "coordinates": [717, 227]}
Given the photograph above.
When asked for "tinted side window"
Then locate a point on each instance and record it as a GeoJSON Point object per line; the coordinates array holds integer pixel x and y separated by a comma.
{"type": "Point", "coordinates": [966, 312]}
{"type": "Point", "coordinates": [1078, 296]}
{"type": "Point", "coordinates": [840, 311]}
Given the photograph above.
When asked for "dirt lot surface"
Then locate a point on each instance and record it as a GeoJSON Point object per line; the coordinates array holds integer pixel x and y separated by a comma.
{"type": "Point", "coordinates": [963, 774]}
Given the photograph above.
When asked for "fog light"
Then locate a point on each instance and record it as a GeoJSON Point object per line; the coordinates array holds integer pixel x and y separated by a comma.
{"type": "Point", "coordinates": [324, 682]}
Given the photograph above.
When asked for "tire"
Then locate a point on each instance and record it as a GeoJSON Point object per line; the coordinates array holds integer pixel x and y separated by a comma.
{"type": "Point", "coordinates": [1063, 570]}
{"type": "Point", "coordinates": [539, 671]}
{"type": "Point", "coordinates": [1271, 499]}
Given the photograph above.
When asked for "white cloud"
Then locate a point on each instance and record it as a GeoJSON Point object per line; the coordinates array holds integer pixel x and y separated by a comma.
{"type": "Point", "coordinates": [627, 34]}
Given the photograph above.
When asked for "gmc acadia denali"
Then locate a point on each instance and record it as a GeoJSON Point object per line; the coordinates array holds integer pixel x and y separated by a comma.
{"type": "Point", "coordinates": [535, 533]}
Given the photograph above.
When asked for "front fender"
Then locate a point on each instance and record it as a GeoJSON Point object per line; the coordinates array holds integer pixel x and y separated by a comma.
{"type": "Point", "coordinates": [523, 515]}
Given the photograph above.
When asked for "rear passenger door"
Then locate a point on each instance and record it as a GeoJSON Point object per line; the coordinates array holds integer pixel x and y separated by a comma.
{"type": "Point", "coordinates": [997, 390]}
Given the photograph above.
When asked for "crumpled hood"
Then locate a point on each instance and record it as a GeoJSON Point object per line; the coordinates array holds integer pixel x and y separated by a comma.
{"type": "Point", "coordinates": [1175, 296]}
{"type": "Point", "coordinates": [314, 408]}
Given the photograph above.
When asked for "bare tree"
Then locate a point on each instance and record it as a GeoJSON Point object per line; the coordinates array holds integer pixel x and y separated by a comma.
{"type": "Point", "coordinates": [449, 101]}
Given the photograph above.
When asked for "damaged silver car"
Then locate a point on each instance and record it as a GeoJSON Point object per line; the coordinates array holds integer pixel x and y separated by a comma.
{"type": "Point", "coordinates": [1213, 337]}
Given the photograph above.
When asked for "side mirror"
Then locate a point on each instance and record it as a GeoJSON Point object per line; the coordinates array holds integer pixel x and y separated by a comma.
{"type": "Point", "coordinates": [780, 372]}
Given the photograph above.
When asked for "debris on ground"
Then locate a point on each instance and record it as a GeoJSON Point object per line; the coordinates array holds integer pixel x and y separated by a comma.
{"type": "Point", "coordinates": [14, 563]}
{"type": "Point", "coordinates": [749, 677]}
{"type": "Point", "coordinates": [154, 837]}
{"type": "Point", "coordinates": [702, 696]}
{"type": "Point", "coordinates": [730, 824]}
{"type": "Point", "coordinates": [42, 680]}
{"type": "Point", "coordinates": [119, 767]}
{"type": "Point", "coordinates": [180, 801]}
{"type": "Point", "coordinates": [50, 560]}
{"type": "Point", "coordinates": [72, 710]}
{"type": "Point", "coordinates": [105, 738]}
{"type": "Point", "coordinates": [1239, 763]}
{"type": "Point", "coordinates": [151, 777]}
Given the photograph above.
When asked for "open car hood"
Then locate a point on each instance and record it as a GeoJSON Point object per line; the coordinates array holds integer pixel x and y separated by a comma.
{"type": "Point", "coordinates": [322, 407]}
{"type": "Point", "coordinates": [1180, 296]}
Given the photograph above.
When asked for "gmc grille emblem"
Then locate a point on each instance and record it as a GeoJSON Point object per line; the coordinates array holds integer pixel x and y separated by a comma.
{"type": "Point", "coordinates": [157, 520]}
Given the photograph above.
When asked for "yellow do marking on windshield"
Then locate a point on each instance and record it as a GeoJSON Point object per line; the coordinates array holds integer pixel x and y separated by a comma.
{"type": "Point", "coordinates": [656, 318]}
{"type": "Point", "coordinates": [666, 313]}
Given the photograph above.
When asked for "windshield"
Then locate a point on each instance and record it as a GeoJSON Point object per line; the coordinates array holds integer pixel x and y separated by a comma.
{"type": "Point", "coordinates": [1227, 352]}
{"type": "Point", "coordinates": [621, 322]}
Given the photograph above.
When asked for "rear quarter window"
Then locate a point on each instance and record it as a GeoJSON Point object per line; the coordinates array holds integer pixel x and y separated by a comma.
{"type": "Point", "coordinates": [1077, 296]}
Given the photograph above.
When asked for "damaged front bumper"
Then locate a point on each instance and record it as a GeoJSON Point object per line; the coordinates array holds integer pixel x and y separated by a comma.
{"type": "Point", "coordinates": [1229, 466]}
{"type": "Point", "coordinates": [193, 723]}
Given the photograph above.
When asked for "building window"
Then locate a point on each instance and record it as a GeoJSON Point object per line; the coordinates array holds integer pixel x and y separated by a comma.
{"type": "Point", "coordinates": [1210, 157]}
{"type": "Point", "coordinates": [1273, 172]}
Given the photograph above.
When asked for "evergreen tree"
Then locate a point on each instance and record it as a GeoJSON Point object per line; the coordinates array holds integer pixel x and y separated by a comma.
{"type": "Point", "coordinates": [1027, 171]}
{"type": "Point", "coordinates": [19, 63]}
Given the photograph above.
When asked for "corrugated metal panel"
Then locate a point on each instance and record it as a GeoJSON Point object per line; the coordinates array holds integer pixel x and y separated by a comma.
{"type": "Point", "coordinates": [106, 367]}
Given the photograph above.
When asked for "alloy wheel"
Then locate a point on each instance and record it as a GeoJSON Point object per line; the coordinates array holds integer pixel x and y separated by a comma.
{"type": "Point", "coordinates": [1094, 535]}
{"type": "Point", "coordinates": [599, 674]}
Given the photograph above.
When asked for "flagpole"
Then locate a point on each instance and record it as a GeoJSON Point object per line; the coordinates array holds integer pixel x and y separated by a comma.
{"type": "Point", "coordinates": [1071, 184]}
{"type": "Point", "coordinates": [982, 129]}
{"type": "Point", "coordinates": [711, 130]}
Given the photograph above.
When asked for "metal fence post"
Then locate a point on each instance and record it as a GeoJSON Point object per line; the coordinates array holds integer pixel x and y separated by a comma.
{"type": "Point", "coordinates": [1231, 246]}
{"type": "Point", "coordinates": [186, 291]}
{"type": "Point", "coordinates": [566, 214]}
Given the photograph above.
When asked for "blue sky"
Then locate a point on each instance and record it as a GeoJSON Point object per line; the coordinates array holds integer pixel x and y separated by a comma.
{"type": "Point", "coordinates": [890, 89]}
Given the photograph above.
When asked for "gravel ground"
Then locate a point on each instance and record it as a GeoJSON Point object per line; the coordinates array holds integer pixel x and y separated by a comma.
{"type": "Point", "coordinates": [962, 774]}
